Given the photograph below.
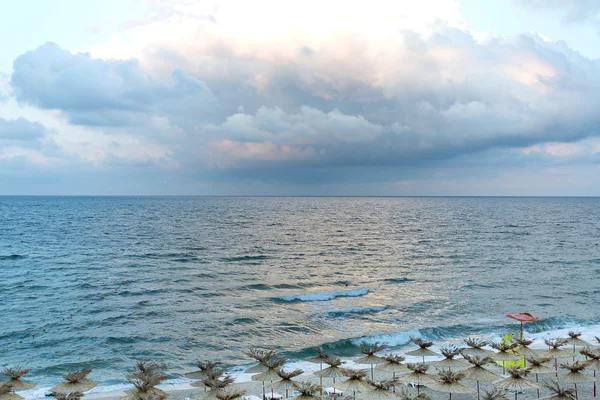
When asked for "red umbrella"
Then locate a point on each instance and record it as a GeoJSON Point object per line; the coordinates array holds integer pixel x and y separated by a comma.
{"type": "Point", "coordinates": [522, 317]}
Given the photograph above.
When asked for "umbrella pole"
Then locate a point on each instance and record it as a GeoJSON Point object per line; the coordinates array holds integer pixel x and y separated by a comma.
{"type": "Point", "coordinates": [536, 381]}
{"type": "Point", "coordinates": [594, 384]}
{"type": "Point", "coordinates": [264, 393]}
{"type": "Point", "coordinates": [394, 387]}
{"type": "Point", "coordinates": [418, 386]}
{"type": "Point", "coordinates": [371, 371]}
{"type": "Point", "coordinates": [576, 396]}
{"type": "Point", "coordinates": [321, 379]}
{"type": "Point", "coordinates": [477, 390]}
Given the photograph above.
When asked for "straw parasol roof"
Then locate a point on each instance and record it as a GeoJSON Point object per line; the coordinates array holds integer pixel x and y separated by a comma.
{"type": "Point", "coordinates": [392, 364]}
{"type": "Point", "coordinates": [475, 347]}
{"type": "Point", "coordinates": [144, 377]}
{"type": "Point", "coordinates": [286, 381]}
{"type": "Point", "coordinates": [320, 358]}
{"type": "Point", "coordinates": [308, 391]}
{"type": "Point", "coordinates": [523, 347]}
{"type": "Point", "coordinates": [536, 365]}
{"type": "Point", "coordinates": [418, 373]}
{"type": "Point", "coordinates": [558, 393]}
{"type": "Point", "coordinates": [216, 386]}
{"type": "Point", "coordinates": [75, 382]}
{"type": "Point", "coordinates": [516, 381]}
{"type": "Point", "coordinates": [505, 351]}
{"type": "Point", "coordinates": [333, 371]}
{"type": "Point", "coordinates": [14, 379]}
{"type": "Point", "coordinates": [261, 356]}
{"type": "Point", "coordinates": [378, 391]}
{"type": "Point", "coordinates": [406, 395]}
{"type": "Point", "coordinates": [65, 396]}
{"type": "Point", "coordinates": [449, 382]}
{"type": "Point", "coordinates": [369, 357]}
{"type": "Point", "coordinates": [449, 361]}
{"type": "Point", "coordinates": [6, 393]}
{"type": "Point", "coordinates": [423, 350]}
{"type": "Point", "coordinates": [236, 394]}
{"type": "Point", "coordinates": [211, 375]}
{"type": "Point", "coordinates": [555, 350]}
{"type": "Point", "coordinates": [204, 368]}
{"type": "Point", "coordinates": [494, 394]}
{"type": "Point", "coordinates": [477, 372]}
{"type": "Point", "coordinates": [271, 373]}
{"type": "Point", "coordinates": [355, 381]}
{"type": "Point", "coordinates": [574, 375]}
{"type": "Point", "coordinates": [574, 340]}
{"type": "Point", "coordinates": [593, 361]}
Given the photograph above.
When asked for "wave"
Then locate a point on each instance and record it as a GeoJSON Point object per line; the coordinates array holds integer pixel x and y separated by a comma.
{"type": "Point", "coordinates": [325, 296]}
{"type": "Point", "coordinates": [356, 310]}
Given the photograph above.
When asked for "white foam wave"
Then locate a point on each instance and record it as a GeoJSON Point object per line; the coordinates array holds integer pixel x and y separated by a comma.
{"type": "Point", "coordinates": [325, 296]}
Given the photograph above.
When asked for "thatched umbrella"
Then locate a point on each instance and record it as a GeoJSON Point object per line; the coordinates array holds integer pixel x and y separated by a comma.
{"type": "Point", "coordinates": [261, 356]}
{"type": "Point", "coordinates": [69, 396]}
{"type": "Point", "coordinates": [355, 382]}
{"type": "Point", "coordinates": [516, 381]}
{"type": "Point", "coordinates": [6, 393]}
{"type": "Point", "coordinates": [559, 393]}
{"type": "Point", "coordinates": [494, 394]}
{"type": "Point", "coordinates": [449, 382]}
{"type": "Point", "coordinates": [593, 361]}
{"type": "Point", "coordinates": [144, 377]}
{"type": "Point", "coordinates": [369, 357]}
{"type": "Point", "coordinates": [308, 391]}
{"type": "Point", "coordinates": [286, 380]}
{"type": "Point", "coordinates": [236, 394]}
{"type": "Point", "coordinates": [204, 368]}
{"type": "Point", "coordinates": [505, 353]}
{"type": "Point", "coordinates": [406, 395]}
{"type": "Point", "coordinates": [14, 379]}
{"type": "Point", "coordinates": [418, 373]}
{"type": "Point", "coordinates": [75, 382]}
{"type": "Point", "coordinates": [475, 348]}
{"type": "Point", "coordinates": [333, 371]}
{"type": "Point", "coordinates": [379, 391]}
{"type": "Point", "coordinates": [394, 365]}
{"type": "Point", "coordinates": [270, 374]}
{"type": "Point", "coordinates": [575, 341]}
{"type": "Point", "coordinates": [215, 384]}
{"type": "Point", "coordinates": [477, 372]}
{"type": "Point", "coordinates": [555, 351]}
{"type": "Point", "coordinates": [524, 349]}
{"type": "Point", "coordinates": [536, 366]}
{"type": "Point", "coordinates": [320, 358]}
{"type": "Point", "coordinates": [575, 376]}
{"type": "Point", "coordinates": [449, 352]}
{"type": "Point", "coordinates": [423, 349]}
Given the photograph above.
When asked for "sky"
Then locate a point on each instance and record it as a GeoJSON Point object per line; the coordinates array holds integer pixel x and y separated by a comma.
{"type": "Point", "coordinates": [336, 97]}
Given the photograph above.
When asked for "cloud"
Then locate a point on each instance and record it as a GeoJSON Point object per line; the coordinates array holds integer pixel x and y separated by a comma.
{"type": "Point", "coordinates": [216, 92]}
{"type": "Point", "coordinates": [103, 92]}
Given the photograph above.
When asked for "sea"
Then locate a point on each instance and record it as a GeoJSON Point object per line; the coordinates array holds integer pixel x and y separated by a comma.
{"type": "Point", "coordinates": [102, 282]}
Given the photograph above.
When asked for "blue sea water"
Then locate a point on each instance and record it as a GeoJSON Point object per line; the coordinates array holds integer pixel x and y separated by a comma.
{"type": "Point", "coordinates": [103, 281]}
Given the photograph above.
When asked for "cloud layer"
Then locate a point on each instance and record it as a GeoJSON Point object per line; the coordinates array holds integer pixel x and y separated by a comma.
{"type": "Point", "coordinates": [367, 95]}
